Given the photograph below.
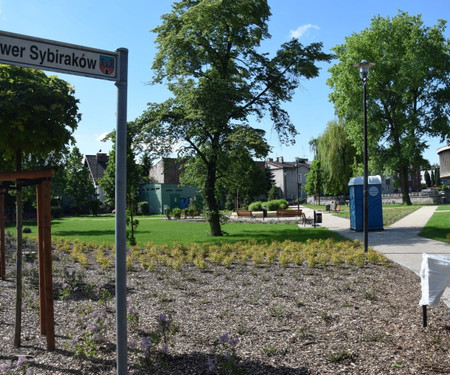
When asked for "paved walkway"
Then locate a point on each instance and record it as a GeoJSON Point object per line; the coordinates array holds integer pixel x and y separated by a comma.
{"type": "Point", "coordinates": [400, 242]}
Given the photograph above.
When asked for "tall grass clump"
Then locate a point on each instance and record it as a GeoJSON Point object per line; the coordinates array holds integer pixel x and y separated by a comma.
{"type": "Point", "coordinates": [314, 253]}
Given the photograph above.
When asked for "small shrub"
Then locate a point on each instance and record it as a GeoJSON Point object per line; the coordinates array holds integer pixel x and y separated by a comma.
{"type": "Point", "coordinates": [143, 208]}
{"type": "Point", "coordinates": [277, 204]}
{"type": "Point", "coordinates": [155, 346]}
{"type": "Point", "coordinates": [223, 358]}
{"type": "Point", "coordinates": [94, 206]}
{"type": "Point", "coordinates": [87, 344]}
{"type": "Point", "coordinates": [255, 206]}
{"type": "Point", "coordinates": [176, 213]}
{"type": "Point", "coordinates": [168, 213]}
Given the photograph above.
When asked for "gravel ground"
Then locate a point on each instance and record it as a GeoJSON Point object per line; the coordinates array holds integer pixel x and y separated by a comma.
{"type": "Point", "coordinates": [293, 320]}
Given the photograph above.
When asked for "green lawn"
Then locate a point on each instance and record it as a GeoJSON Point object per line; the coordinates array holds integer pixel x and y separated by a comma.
{"type": "Point", "coordinates": [391, 212]}
{"type": "Point", "coordinates": [154, 229]}
{"type": "Point", "coordinates": [438, 227]}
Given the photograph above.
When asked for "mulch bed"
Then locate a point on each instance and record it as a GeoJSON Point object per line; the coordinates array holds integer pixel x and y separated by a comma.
{"type": "Point", "coordinates": [293, 320]}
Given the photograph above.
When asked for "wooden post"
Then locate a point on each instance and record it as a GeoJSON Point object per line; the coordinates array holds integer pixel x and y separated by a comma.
{"type": "Point", "coordinates": [47, 251]}
{"type": "Point", "coordinates": [41, 258]}
{"type": "Point", "coordinates": [2, 234]}
{"type": "Point", "coordinates": [47, 319]}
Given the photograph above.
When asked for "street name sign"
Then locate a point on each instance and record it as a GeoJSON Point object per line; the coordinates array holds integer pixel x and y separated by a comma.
{"type": "Point", "coordinates": [45, 54]}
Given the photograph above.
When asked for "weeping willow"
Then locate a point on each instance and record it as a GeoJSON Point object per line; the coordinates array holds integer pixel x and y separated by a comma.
{"type": "Point", "coordinates": [337, 157]}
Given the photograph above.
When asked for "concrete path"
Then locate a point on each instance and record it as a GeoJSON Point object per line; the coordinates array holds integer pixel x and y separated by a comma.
{"type": "Point", "coordinates": [399, 242]}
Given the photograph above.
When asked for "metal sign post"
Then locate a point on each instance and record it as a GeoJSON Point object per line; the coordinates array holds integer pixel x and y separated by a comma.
{"type": "Point", "coordinates": [121, 217]}
{"type": "Point", "coordinates": [37, 53]}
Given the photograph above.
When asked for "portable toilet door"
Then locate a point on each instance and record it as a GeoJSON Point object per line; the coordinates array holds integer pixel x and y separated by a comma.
{"type": "Point", "coordinates": [357, 203]}
{"type": "Point", "coordinates": [375, 204]}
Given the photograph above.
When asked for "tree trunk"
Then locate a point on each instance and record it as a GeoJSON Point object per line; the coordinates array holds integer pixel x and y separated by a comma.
{"type": "Point", "coordinates": [18, 322]}
{"type": "Point", "coordinates": [211, 202]}
{"type": "Point", "coordinates": [214, 224]}
{"type": "Point", "coordinates": [404, 185]}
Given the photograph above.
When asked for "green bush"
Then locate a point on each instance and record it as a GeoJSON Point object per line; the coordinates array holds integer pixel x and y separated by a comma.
{"type": "Point", "coordinates": [94, 206]}
{"type": "Point", "coordinates": [277, 204]}
{"type": "Point", "coordinates": [273, 205]}
{"type": "Point", "coordinates": [256, 206]}
{"type": "Point", "coordinates": [143, 208]}
{"type": "Point", "coordinates": [176, 212]}
{"type": "Point", "coordinates": [56, 211]}
{"type": "Point", "coordinates": [283, 204]}
{"type": "Point", "coordinates": [168, 212]}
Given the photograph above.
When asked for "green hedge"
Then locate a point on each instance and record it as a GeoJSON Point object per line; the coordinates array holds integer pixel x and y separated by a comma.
{"type": "Point", "coordinates": [277, 204]}
{"type": "Point", "coordinates": [256, 206]}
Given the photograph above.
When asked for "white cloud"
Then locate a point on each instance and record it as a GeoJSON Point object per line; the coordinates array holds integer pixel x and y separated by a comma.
{"type": "Point", "coordinates": [302, 30]}
{"type": "Point", "coordinates": [102, 136]}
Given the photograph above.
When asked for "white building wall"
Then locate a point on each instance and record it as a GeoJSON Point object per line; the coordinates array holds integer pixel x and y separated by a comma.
{"type": "Point", "coordinates": [279, 180]}
{"type": "Point", "coordinates": [157, 172]}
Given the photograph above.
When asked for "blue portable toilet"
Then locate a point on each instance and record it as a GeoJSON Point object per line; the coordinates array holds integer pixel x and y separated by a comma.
{"type": "Point", "coordinates": [356, 185]}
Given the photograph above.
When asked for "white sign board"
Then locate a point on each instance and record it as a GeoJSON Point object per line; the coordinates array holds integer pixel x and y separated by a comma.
{"type": "Point", "coordinates": [45, 54]}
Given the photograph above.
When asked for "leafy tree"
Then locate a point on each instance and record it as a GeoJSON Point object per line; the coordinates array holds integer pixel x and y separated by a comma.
{"type": "Point", "coordinates": [78, 182]}
{"type": "Point", "coordinates": [408, 90]}
{"type": "Point", "coordinates": [134, 172]}
{"type": "Point", "coordinates": [269, 179]}
{"type": "Point", "coordinates": [427, 178]}
{"type": "Point", "coordinates": [209, 55]}
{"type": "Point", "coordinates": [433, 178]}
{"type": "Point", "coordinates": [273, 193]}
{"type": "Point", "coordinates": [38, 114]}
{"type": "Point", "coordinates": [145, 164]}
{"type": "Point", "coordinates": [337, 155]}
{"type": "Point", "coordinates": [55, 160]}
{"type": "Point", "coordinates": [314, 180]}
{"type": "Point", "coordinates": [245, 176]}
{"type": "Point", "coordinates": [437, 174]}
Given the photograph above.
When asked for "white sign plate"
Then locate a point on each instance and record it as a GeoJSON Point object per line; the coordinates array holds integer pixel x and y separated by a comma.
{"type": "Point", "coordinates": [45, 54]}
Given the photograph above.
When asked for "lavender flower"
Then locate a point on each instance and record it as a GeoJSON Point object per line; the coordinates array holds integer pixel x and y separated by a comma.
{"type": "Point", "coordinates": [224, 338]}
{"type": "Point", "coordinates": [93, 327]}
{"type": "Point", "coordinates": [165, 349]}
{"type": "Point", "coordinates": [132, 344]}
{"type": "Point", "coordinates": [132, 310]}
{"type": "Point", "coordinates": [146, 345]}
{"type": "Point", "coordinates": [21, 360]}
{"type": "Point", "coordinates": [212, 363]}
{"type": "Point", "coordinates": [164, 321]}
{"type": "Point", "coordinates": [5, 368]}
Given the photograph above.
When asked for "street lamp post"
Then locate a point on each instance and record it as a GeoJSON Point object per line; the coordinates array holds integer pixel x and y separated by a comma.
{"type": "Point", "coordinates": [298, 190]}
{"type": "Point", "coordinates": [364, 67]}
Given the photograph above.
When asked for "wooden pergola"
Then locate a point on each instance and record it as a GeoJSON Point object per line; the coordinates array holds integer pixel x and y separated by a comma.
{"type": "Point", "coordinates": [41, 179]}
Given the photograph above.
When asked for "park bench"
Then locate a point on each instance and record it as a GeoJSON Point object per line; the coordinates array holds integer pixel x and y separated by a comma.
{"type": "Point", "coordinates": [289, 213]}
{"type": "Point", "coordinates": [245, 213]}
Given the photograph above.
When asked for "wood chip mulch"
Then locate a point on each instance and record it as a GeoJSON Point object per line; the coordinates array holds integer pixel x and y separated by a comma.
{"type": "Point", "coordinates": [293, 320]}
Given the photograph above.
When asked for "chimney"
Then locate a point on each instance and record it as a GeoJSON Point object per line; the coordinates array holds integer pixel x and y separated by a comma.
{"type": "Point", "coordinates": [280, 159]}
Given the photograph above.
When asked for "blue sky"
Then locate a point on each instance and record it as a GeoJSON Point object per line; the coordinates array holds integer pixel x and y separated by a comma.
{"type": "Point", "coordinates": [109, 25]}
